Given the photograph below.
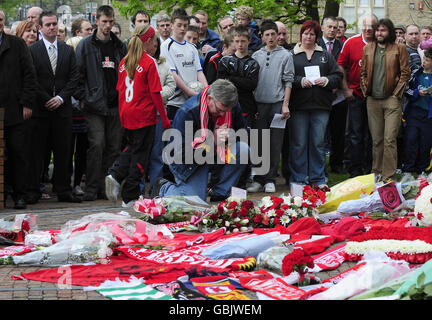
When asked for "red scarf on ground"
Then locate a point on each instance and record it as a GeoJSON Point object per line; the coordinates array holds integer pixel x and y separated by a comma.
{"type": "Point", "coordinates": [221, 121]}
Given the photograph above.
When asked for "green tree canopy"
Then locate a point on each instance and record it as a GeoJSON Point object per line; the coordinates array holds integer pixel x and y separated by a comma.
{"type": "Point", "coordinates": [287, 11]}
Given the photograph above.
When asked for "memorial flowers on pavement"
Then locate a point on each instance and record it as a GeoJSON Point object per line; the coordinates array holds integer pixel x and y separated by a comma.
{"type": "Point", "coordinates": [234, 214]}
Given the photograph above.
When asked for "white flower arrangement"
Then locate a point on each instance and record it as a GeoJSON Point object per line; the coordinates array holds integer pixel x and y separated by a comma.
{"type": "Point", "coordinates": [423, 207]}
{"type": "Point", "coordinates": [386, 246]}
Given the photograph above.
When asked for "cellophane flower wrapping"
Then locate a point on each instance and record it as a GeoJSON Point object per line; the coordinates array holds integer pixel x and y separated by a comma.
{"type": "Point", "coordinates": [82, 247]}
{"type": "Point", "coordinates": [378, 270]}
{"type": "Point", "coordinates": [171, 209]}
{"type": "Point", "coordinates": [272, 258]}
{"type": "Point", "coordinates": [126, 230]}
{"type": "Point", "coordinates": [13, 229]}
{"type": "Point", "coordinates": [408, 191]}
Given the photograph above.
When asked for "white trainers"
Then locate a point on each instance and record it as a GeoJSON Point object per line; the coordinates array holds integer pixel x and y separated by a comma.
{"type": "Point", "coordinates": [129, 204]}
{"type": "Point", "coordinates": [255, 187]}
{"type": "Point", "coordinates": [269, 187]}
{"type": "Point", "coordinates": [112, 188]}
{"type": "Point", "coordinates": [78, 191]}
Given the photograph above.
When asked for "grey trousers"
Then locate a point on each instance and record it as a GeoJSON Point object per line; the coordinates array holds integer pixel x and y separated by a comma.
{"type": "Point", "coordinates": [104, 143]}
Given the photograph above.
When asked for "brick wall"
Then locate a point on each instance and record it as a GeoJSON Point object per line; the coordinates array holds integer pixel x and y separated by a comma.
{"type": "Point", "coordinates": [400, 13]}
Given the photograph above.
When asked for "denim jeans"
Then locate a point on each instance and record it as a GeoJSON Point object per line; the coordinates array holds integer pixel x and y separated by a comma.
{"type": "Point", "coordinates": [360, 142]}
{"type": "Point", "coordinates": [197, 182]}
{"type": "Point", "coordinates": [307, 154]}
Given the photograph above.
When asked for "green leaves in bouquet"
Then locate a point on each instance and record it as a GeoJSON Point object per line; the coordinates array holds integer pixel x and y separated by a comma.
{"type": "Point", "coordinates": [419, 291]}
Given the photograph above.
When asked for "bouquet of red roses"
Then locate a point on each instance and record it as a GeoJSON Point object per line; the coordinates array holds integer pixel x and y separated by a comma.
{"type": "Point", "coordinates": [316, 195]}
{"type": "Point", "coordinates": [234, 214]}
{"type": "Point", "coordinates": [284, 210]}
{"type": "Point", "coordinates": [297, 261]}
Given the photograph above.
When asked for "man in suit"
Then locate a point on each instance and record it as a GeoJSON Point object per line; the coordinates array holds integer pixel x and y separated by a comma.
{"type": "Point", "coordinates": [57, 78]}
{"type": "Point", "coordinates": [17, 92]}
{"type": "Point", "coordinates": [338, 115]}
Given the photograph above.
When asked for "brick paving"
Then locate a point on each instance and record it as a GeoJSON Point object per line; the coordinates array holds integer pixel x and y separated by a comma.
{"type": "Point", "coordinates": [52, 215]}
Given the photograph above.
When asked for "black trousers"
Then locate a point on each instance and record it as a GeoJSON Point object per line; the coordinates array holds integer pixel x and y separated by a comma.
{"type": "Point", "coordinates": [79, 145]}
{"type": "Point", "coordinates": [17, 158]}
{"type": "Point", "coordinates": [133, 162]}
{"type": "Point", "coordinates": [337, 125]}
{"type": "Point", "coordinates": [59, 131]}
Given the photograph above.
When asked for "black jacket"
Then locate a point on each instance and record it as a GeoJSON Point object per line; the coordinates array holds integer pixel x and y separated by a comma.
{"type": "Point", "coordinates": [315, 98]}
{"type": "Point", "coordinates": [243, 73]}
{"type": "Point", "coordinates": [91, 86]}
{"type": "Point", "coordinates": [17, 79]}
{"type": "Point", "coordinates": [63, 83]}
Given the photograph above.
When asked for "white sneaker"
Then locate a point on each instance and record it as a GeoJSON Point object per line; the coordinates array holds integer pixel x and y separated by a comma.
{"type": "Point", "coordinates": [78, 191]}
{"type": "Point", "coordinates": [129, 204]}
{"type": "Point", "coordinates": [255, 187]}
{"type": "Point", "coordinates": [270, 187]}
{"type": "Point", "coordinates": [112, 188]}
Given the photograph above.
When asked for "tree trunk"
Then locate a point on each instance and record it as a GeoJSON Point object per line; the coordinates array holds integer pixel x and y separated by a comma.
{"type": "Point", "coordinates": [331, 8]}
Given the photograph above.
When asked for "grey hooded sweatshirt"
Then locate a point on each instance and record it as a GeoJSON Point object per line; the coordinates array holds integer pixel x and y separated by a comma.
{"type": "Point", "coordinates": [276, 73]}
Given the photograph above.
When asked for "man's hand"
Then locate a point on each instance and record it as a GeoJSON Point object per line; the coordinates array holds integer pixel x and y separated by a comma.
{"type": "Point", "coordinates": [27, 113]}
{"type": "Point", "coordinates": [53, 103]}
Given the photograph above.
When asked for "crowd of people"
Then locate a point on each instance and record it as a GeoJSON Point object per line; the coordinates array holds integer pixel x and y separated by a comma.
{"type": "Point", "coordinates": [100, 105]}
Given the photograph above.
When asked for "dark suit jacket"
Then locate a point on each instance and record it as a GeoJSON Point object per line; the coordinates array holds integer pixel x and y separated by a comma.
{"type": "Point", "coordinates": [63, 83]}
{"type": "Point", "coordinates": [337, 47]}
{"type": "Point", "coordinates": [17, 79]}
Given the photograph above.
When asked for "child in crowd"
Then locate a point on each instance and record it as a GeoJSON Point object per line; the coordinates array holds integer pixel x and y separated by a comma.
{"type": "Point", "coordinates": [192, 36]}
{"type": "Point", "coordinates": [272, 95]}
{"type": "Point", "coordinates": [418, 114]}
{"type": "Point", "coordinates": [184, 62]}
{"type": "Point", "coordinates": [242, 70]}
{"type": "Point", "coordinates": [212, 66]}
{"type": "Point", "coordinates": [244, 16]}
{"type": "Point", "coordinates": [140, 101]}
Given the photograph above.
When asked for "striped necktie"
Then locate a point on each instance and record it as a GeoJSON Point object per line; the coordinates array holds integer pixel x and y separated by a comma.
{"type": "Point", "coordinates": [53, 57]}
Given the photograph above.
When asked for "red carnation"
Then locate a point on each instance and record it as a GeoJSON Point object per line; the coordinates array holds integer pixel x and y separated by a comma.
{"type": "Point", "coordinates": [232, 205]}
{"type": "Point", "coordinates": [248, 204]}
{"type": "Point", "coordinates": [276, 221]}
{"type": "Point", "coordinates": [258, 218]}
{"type": "Point", "coordinates": [285, 207]}
{"type": "Point", "coordinates": [419, 215]}
{"type": "Point", "coordinates": [279, 213]}
{"type": "Point", "coordinates": [244, 212]}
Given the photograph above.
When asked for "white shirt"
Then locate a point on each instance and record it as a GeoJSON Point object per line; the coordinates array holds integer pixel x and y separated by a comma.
{"type": "Point", "coordinates": [329, 41]}
{"type": "Point", "coordinates": [48, 45]}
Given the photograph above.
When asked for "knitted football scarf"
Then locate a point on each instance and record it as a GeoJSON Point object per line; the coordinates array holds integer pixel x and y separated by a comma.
{"type": "Point", "coordinates": [220, 122]}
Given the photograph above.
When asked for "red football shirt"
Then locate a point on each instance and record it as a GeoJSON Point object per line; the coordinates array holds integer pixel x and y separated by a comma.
{"type": "Point", "coordinates": [351, 56]}
{"type": "Point", "coordinates": [136, 107]}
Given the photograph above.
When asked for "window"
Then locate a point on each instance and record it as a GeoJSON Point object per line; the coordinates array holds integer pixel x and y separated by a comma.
{"type": "Point", "coordinates": [353, 10]}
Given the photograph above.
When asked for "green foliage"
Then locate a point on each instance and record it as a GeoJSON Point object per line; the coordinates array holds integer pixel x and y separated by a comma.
{"type": "Point", "coordinates": [287, 11]}
{"type": "Point", "coordinates": [420, 290]}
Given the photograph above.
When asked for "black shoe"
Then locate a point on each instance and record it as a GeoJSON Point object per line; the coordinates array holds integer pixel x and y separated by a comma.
{"type": "Point", "coordinates": [32, 199]}
{"type": "Point", "coordinates": [217, 198]}
{"type": "Point", "coordinates": [68, 197]}
{"type": "Point", "coordinates": [20, 204]}
{"type": "Point", "coordinates": [157, 186]}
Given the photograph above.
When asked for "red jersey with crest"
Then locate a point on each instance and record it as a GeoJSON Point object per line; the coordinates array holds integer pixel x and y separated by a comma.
{"type": "Point", "coordinates": [136, 107]}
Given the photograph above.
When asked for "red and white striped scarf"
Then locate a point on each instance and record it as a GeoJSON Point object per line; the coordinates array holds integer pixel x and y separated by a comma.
{"type": "Point", "coordinates": [220, 121]}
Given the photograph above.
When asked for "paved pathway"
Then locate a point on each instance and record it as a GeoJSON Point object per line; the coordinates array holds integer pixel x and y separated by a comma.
{"type": "Point", "coordinates": [52, 215]}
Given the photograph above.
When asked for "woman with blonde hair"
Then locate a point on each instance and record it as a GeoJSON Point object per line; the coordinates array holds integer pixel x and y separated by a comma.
{"type": "Point", "coordinates": [27, 30]}
{"type": "Point", "coordinates": [140, 101]}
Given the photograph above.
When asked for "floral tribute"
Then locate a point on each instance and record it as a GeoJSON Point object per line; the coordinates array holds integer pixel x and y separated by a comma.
{"type": "Point", "coordinates": [234, 214]}
{"type": "Point", "coordinates": [413, 244]}
{"type": "Point", "coordinates": [297, 261]}
{"type": "Point", "coordinates": [285, 210]}
{"type": "Point", "coordinates": [423, 205]}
